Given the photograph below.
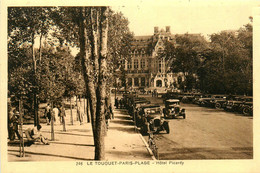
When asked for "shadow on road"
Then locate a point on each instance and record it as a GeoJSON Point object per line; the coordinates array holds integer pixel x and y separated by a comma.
{"type": "Point", "coordinates": [66, 143]}
{"type": "Point", "coordinates": [124, 122]}
{"type": "Point", "coordinates": [66, 133]}
{"type": "Point", "coordinates": [17, 143]}
{"type": "Point", "coordinates": [124, 118]}
{"type": "Point", "coordinates": [123, 129]}
{"type": "Point", "coordinates": [122, 111]}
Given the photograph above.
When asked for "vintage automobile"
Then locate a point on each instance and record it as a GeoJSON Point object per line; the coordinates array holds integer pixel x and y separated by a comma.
{"type": "Point", "coordinates": [170, 95]}
{"type": "Point", "coordinates": [247, 106]}
{"type": "Point", "coordinates": [233, 104]}
{"type": "Point", "coordinates": [217, 101]}
{"type": "Point", "coordinates": [173, 110]}
{"type": "Point", "coordinates": [137, 106]}
{"type": "Point", "coordinates": [196, 98]}
{"type": "Point", "coordinates": [204, 100]}
{"type": "Point", "coordinates": [131, 102]}
{"type": "Point", "coordinates": [150, 119]}
{"type": "Point", "coordinates": [187, 98]}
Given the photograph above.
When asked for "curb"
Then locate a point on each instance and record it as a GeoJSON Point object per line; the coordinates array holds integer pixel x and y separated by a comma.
{"type": "Point", "coordinates": [146, 145]}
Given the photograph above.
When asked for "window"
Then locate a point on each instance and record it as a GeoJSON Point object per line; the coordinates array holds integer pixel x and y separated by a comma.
{"type": "Point", "coordinates": [130, 82]}
{"type": "Point", "coordinates": [142, 81]}
{"type": "Point", "coordinates": [129, 65]}
{"type": "Point", "coordinates": [160, 50]}
{"type": "Point", "coordinates": [142, 63]}
{"type": "Point", "coordinates": [160, 66]}
{"type": "Point", "coordinates": [136, 81]}
{"type": "Point", "coordinates": [136, 64]}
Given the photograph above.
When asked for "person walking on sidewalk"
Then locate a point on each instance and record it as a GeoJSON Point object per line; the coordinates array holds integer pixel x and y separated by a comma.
{"type": "Point", "coordinates": [116, 103]}
{"type": "Point", "coordinates": [120, 103]}
{"type": "Point", "coordinates": [48, 114]}
{"type": "Point", "coordinates": [55, 114]}
{"type": "Point", "coordinates": [80, 115]}
{"type": "Point", "coordinates": [62, 116]}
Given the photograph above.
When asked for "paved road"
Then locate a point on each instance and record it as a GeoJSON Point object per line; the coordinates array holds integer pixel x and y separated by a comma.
{"type": "Point", "coordinates": [206, 133]}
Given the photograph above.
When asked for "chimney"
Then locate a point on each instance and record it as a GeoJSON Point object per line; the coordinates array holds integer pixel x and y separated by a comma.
{"type": "Point", "coordinates": [168, 29]}
{"type": "Point", "coordinates": [156, 29]}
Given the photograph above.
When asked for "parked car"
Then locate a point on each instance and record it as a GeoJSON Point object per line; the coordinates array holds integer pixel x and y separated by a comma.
{"type": "Point", "coordinates": [204, 100]}
{"type": "Point", "coordinates": [217, 101]}
{"type": "Point", "coordinates": [247, 106]}
{"type": "Point", "coordinates": [196, 98]}
{"type": "Point", "coordinates": [151, 120]}
{"type": "Point", "coordinates": [187, 98]}
{"type": "Point", "coordinates": [170, 95]}
{"type": "Point", "coordinates": [234, 103]}
{"type": "Point", "coordinates": [172, 109]}
{"type": "Point", "coordinates": [137, 106]}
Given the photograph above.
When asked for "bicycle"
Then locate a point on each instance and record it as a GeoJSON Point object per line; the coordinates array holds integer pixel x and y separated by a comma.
{"type": "Point", "coordinates": [152, 145]}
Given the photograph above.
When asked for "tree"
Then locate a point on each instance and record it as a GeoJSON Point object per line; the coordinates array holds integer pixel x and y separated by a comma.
{"type": "Point", "coordinates": [227, 65]}
{"type": "Point", "coordinates": [89, 29]}
{"type": "Point", "coordinates": [185, 56]}
{"type": "Point", "coordinates": [24, 24]}
{"type": "Point", "coordinates": [119, 45]}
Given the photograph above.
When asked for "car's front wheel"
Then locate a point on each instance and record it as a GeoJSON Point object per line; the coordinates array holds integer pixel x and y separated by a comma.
{"type": "Point", "coordinates": [217, 105]}
{"type": "Point", "coordinates": [246, 110]}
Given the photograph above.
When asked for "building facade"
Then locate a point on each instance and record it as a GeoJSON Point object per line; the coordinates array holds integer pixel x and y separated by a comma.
{"type": "Point", "coordinates": [146, 67]}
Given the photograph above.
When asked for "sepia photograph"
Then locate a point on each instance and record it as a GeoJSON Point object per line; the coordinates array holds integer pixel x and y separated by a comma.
{"type": "Point", "coordinates": [146, 86]}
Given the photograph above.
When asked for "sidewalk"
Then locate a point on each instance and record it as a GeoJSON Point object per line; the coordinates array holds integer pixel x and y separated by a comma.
{"type": "Point", "coordinates": [121, 142]}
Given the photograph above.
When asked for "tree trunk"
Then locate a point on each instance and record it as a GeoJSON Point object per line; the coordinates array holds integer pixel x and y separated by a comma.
{"type": "Point", "coordinates": [40, 48]}
{"type": "Point", "coordinates": [88, 117]}
{"type": "Point", "coordinates": [93, 53]}
{"type": "Point", "coordinates": [36, 118]}
{"type": "Point", "coordinates": [87, 67]}
{"type": "Point", "coordinates": [101, 89]}
{"type": "Point", "coordinates": [71, 115]}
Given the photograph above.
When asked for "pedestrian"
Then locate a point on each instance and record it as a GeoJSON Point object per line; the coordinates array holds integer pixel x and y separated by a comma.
{"type": "Point", "coordinates": [120, 103]}
{"type": "Point", "coordinates": [116, 103]}
{"type": "Point", "coordinates": [14, 125]}
{"type": "Point", "coordinates": [108, 111]}
{"type": "Point", "coordinates": [48, 114]}
{"type": "Point", "coordinates": [11, 133]}
{"type": "Point", "coordinates": [62, 116]}
{"type": "Point", "coordinates": [55, 113]}
{"type": "Point", "coordinates": [59, 114]}
{"type": "Point", "coordinates": [34, 135]}
{"type": "Point", "coordinates": [111, 112]}
{"type": "Point", "coordinates": [79, 114]}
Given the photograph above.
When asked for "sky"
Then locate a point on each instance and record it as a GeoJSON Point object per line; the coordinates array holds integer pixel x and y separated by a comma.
{"type": "Point", "coordinates": [192, 16]}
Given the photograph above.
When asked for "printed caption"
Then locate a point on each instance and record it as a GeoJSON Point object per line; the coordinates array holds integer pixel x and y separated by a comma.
{"type": "Point", "coordinates": [113, 163]}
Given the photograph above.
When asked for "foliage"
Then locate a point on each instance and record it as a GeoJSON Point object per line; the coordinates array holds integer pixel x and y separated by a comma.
{"type": "Point", "coordinates": [185, 56]}
{"type": "Point", "coordinates": [227, 67]}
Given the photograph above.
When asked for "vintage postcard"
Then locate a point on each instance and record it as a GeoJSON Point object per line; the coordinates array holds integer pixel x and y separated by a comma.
{"type": "Point", "coordinates": [137, 86]}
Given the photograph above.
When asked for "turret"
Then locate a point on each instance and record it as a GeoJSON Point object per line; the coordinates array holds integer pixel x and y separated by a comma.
{"type": "Point", "coordinates": [168, 29]}
{"type": "Point", "coordinates": [156, 29]}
